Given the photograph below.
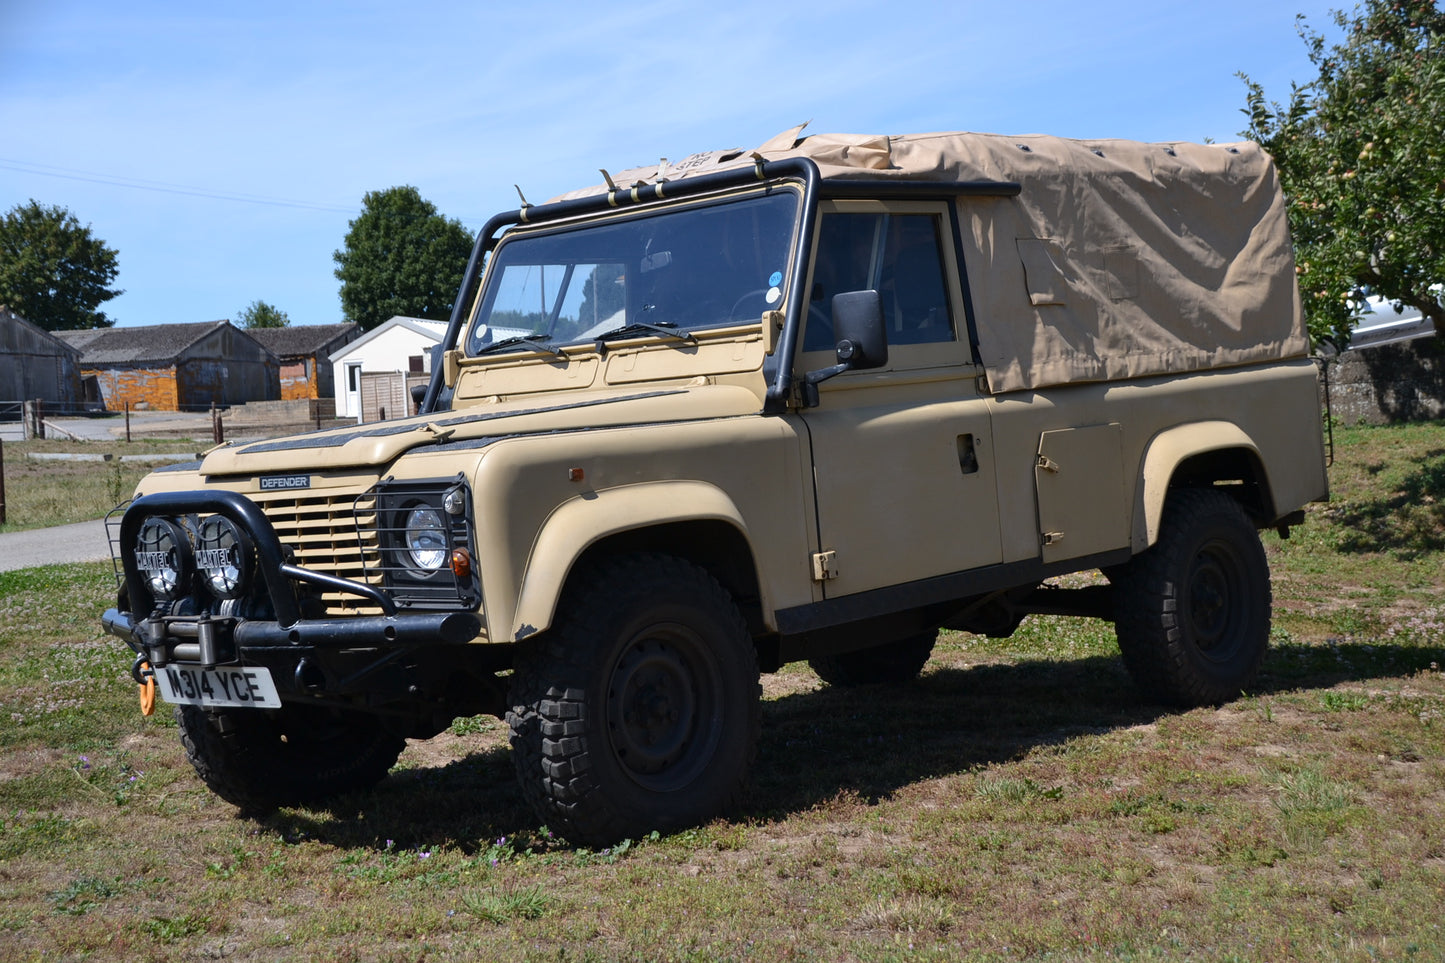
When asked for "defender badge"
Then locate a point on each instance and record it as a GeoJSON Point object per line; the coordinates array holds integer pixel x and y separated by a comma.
{"type": "Point", "coordinates": [281, 483]}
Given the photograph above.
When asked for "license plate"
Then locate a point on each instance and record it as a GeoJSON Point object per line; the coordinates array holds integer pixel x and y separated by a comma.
{"type": "Point", "coordinates": [249, 686]}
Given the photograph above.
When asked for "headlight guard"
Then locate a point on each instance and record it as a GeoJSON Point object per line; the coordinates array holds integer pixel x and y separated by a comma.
{"type": "Point", "coordinates": [421, 541]}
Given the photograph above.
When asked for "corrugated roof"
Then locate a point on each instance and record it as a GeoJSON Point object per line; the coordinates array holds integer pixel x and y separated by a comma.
{"type": "Point", "coordinates": [305, 339]}
{"type": "Point", "coordinates": [147, 343]}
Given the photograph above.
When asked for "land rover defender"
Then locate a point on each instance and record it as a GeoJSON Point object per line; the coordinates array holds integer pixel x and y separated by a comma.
{"type": "Point", "coordinates": [814, 401]}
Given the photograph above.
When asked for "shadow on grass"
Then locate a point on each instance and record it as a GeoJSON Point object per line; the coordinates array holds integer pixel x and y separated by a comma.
{"type": "Point", "coordinates": [870, 741]}
{"type": "Point", "coordinates": [1408, 522]}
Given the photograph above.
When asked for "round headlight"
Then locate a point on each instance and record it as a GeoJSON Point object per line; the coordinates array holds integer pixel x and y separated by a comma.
{"type": "Point", "coordinates": [163, 555]}
{"type": "Point", "coordinates": [223, 554]}
{"type": "Point", "coordinates": [426, 539]}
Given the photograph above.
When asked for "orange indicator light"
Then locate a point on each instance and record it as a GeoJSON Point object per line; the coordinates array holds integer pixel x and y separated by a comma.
{"type": "Point", "coordinates": [461, 563]}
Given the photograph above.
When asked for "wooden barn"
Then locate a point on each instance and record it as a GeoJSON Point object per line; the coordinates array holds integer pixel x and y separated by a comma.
{"type": "Point", "coordinates": [305, 352]}
{"type": "Point", "coordinates": [34, 364]}
{"type": "Point", "coordinates": [176, 367]}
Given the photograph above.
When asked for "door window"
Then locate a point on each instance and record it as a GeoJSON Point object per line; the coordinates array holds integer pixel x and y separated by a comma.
{"type": "Point", "coordinates": [897, 255]}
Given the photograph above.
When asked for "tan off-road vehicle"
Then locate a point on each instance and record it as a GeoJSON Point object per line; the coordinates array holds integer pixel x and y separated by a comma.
{"type": "Point", "coordinates": [813, 401]}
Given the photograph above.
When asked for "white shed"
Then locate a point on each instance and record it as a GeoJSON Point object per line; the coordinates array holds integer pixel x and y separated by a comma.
{"type": "Point", "coordinates": [373, 374]}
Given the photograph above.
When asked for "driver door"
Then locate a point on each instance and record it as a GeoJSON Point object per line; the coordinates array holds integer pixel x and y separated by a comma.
{"type": "Point", "coordinates": [902, 455]}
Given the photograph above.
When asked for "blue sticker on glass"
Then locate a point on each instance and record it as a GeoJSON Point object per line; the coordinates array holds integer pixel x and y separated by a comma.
{"type": "Point", "coordinates": [775, 279]}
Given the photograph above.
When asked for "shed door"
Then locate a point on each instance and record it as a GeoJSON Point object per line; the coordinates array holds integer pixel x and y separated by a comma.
{"type": "Point", "coordinates": [353, 389]}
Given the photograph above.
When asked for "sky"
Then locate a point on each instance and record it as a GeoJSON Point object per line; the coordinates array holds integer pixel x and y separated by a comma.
{"type": "Point", "coordinates": [222, 150]}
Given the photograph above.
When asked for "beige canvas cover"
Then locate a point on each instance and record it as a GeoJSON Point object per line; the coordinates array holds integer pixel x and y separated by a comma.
{"type": "Point", "coordinates": [1117, 259]}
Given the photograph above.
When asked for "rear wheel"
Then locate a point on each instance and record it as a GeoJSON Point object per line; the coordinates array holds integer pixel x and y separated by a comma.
{"type": "Point", "coordinates": [640, 709]}
{"type": "Point", "coordinates": [1193, 612]}
{"type": "Point", "coordinates": [894, 662]}
{"type": "Point", "coordinates": [259, 759]}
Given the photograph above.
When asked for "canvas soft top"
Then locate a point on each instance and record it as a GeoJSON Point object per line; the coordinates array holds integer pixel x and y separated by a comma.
{"type": "Point", "coordinates": [1116, 259]}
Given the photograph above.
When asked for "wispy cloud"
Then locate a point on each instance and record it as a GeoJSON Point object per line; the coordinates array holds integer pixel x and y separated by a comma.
{"type": "Point", "coordinates": [181, 110]}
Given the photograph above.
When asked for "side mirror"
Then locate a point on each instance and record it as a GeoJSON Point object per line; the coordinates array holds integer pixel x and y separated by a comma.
{"type": "Point", "coordinates": [858, 323]}
{"type": "Point", "coordinates": [862, 340]}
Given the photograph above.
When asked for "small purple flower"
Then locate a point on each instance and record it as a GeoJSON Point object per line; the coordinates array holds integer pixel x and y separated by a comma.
{"type": "Point", "coordinates": [425, 854]}
{"type": "Point", "coordinates": [390, 843]}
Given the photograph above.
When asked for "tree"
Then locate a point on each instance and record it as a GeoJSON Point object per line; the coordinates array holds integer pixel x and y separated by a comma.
{"type": "Point", "coordinates": [259, 314]}
{"type": "Point", "coordinates": [602, 296]}
{"type": "Point", "coordinates": [54, 272]}
{"type": "Point", "coordinates": [400, 257]}
{"type": "Point", "coordinates": [1362, 163]}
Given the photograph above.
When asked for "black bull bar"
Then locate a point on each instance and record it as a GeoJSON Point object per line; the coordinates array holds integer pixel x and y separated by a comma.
{"type": "Point", "coordinates": [147, 633]}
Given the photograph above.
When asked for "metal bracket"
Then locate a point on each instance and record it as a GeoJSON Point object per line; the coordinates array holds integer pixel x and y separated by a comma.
{"type": "Point", "coordinates": [825, 566]}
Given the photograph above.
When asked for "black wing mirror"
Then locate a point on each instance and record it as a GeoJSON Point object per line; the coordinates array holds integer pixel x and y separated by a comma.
{"type": "Point", "coordinates": [862, 339]}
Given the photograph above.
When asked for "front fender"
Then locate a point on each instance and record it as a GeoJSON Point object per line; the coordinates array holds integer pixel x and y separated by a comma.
{"type": "Point", "coordinates": [577, 524]}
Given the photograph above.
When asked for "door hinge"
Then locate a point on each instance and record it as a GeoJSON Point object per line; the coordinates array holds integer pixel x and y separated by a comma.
{"type": "Point", "coordinates": [825, 566]}
{"type": "Point", "coordinates": [1048, 464]}
{"type": "Point", "coordinates": [1053, 538]}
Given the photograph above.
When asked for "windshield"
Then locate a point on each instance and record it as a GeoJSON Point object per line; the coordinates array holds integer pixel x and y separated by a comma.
{"type": "Point", "coordinates": [686, 268]}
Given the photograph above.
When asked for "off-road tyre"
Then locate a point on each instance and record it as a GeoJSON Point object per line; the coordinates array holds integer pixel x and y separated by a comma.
{"type": "Point", "coordinates": [888, 664]}
{"type": "Point", "coordinates": [1193, 612]}
{"type": "Point", "coordinates": [639, 709]}
{"type": "Point", "coordinates": [259, 759]}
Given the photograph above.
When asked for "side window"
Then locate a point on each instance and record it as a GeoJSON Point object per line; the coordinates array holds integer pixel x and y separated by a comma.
{"type": "Point", "coordinates": [898, 256]}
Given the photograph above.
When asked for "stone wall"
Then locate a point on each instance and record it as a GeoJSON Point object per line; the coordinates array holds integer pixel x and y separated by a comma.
{"type": "Point", "coordinates": [300, 411]}
{"type": "Point", "coordinates": [1391, 383]}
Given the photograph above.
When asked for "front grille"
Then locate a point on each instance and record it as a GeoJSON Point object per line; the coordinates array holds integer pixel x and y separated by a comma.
{"type": "Point", "coordinates": [329, 536]}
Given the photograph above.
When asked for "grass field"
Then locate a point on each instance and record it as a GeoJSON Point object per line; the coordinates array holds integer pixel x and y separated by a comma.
{"type": "Point", "coordinates": [1018, 802]}
{"type": "Point", "coordinates": [41, 492]}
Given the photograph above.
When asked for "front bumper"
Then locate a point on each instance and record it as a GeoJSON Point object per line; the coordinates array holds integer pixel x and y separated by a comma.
{"type": "Point", "coordinates": [373, 659]}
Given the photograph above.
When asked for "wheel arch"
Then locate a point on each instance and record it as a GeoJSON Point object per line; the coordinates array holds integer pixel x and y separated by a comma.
{"type": "Point", "coordinates": [1199, 455]}
{"type": "Point", "coordinates": [692, 520]}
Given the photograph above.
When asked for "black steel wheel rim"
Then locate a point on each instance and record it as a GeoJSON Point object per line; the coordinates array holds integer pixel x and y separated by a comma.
{"type": "Point", "coordinates": [1216, 594]}
{"type": "Point", "coordinates": [663, 707]}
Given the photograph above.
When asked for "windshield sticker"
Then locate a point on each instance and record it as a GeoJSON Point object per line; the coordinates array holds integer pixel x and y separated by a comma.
{"type": "Point", "coordinates": [775, 279]}
{"type": "Point", "coordinates": [773, 295]}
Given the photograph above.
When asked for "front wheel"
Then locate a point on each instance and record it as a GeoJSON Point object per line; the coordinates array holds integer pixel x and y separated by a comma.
{"type": "Point", "coordinates": [639, 710]}
{"type": "Point", "coordinates": [1193, 612]}
{"type": "Point", "coordinates": [259, 759]}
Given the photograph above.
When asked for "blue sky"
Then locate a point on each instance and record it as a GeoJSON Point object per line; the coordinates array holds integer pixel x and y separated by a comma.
{"type": "Point", "coordinates": [223, 153]}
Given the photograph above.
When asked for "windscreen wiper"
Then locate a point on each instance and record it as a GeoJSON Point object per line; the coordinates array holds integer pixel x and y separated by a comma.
{"type": "Point", "coordinates": [663, 329]}
{"type": "Point", "coordinates": [520, 340]}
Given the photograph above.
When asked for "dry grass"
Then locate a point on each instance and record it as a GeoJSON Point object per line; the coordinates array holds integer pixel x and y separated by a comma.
{"type": "Point", "coordinates": [40, 493]}
{"type": "Point", "coordinates": [1018, 802]}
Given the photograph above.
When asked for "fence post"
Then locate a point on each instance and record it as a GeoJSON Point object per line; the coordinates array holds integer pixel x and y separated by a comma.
{"type": "Point", "coordinates": [127, 422]}
{"type": "Point", "coordinates": [2, 482]}
{"type": "Point", "coordinates": [27, 420]}
{"type": "Point", "coordinates": [218, 433]}
{"type": "Point", "coordinates": [40, 418]}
